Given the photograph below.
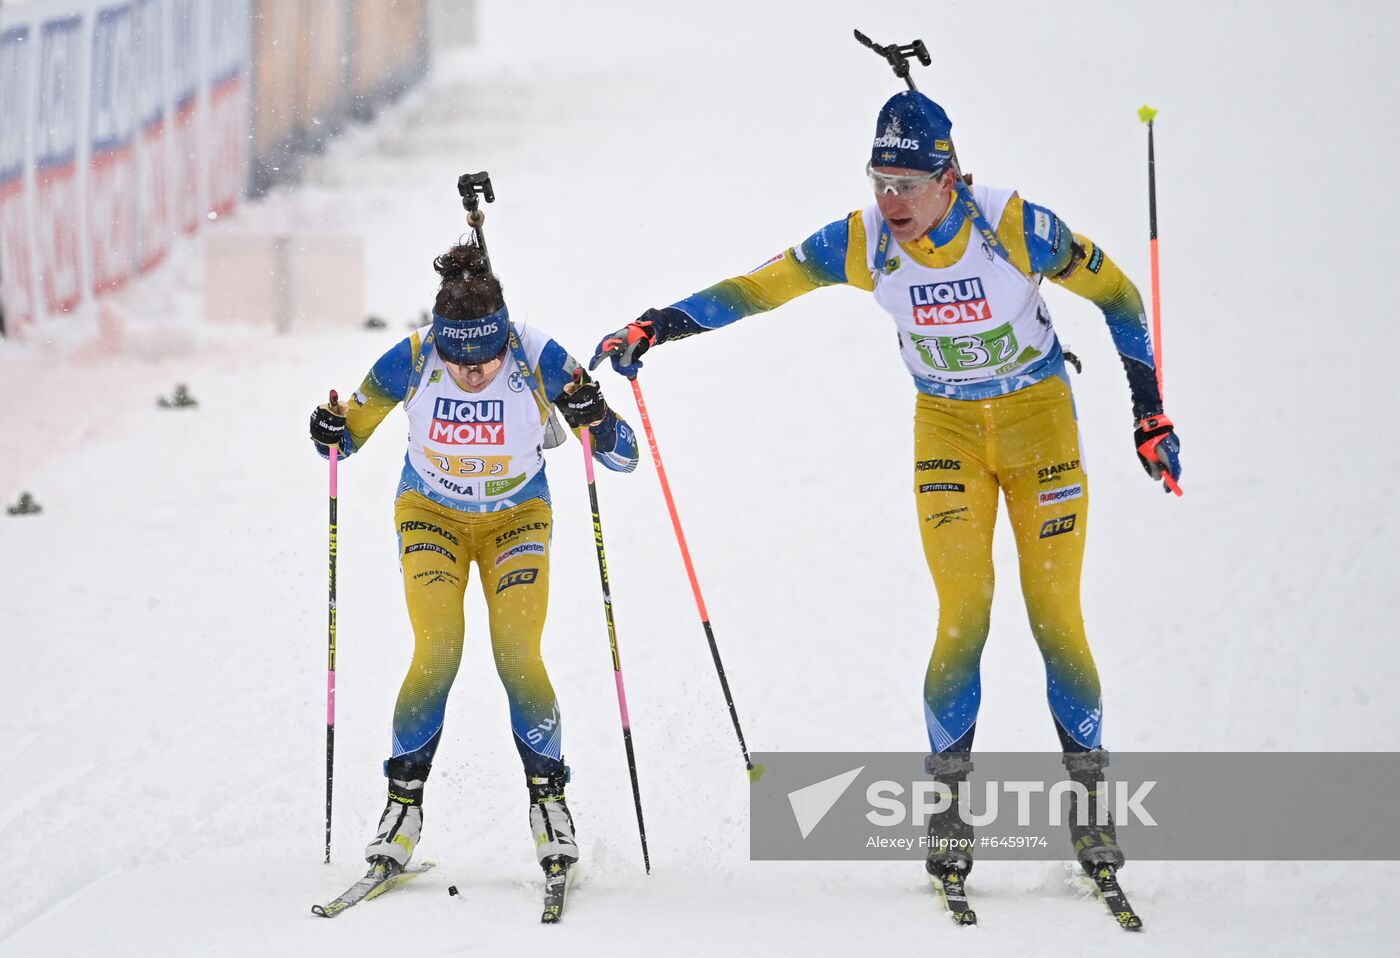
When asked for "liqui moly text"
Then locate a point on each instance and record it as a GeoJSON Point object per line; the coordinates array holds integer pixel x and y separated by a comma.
{"type": "Point", "coordinates": [942, 304]}
{"type": "Point", "coordinates": [470, 422]}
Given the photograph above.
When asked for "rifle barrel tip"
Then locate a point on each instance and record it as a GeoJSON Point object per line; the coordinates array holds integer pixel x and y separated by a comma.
{"type": "Point", "coordinates": [1146, 113]}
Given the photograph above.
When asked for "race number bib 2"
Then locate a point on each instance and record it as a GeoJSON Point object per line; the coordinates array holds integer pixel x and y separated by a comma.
{"type": "Point", "coordinates": [468, 465]}
{"type": "Point", "coordinates": [970, 351]}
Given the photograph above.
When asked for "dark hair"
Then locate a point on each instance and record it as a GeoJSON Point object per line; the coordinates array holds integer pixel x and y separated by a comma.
{"type": "Point", "coordinates": [469, 290]}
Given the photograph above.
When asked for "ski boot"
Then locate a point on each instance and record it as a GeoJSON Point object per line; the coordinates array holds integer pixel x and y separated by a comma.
{"type": "Point", "coordinates": [400, 826]}
{"type": "Point", "coordinates": [1095, 844]}
{"type": "Point", "coordinates": [550, 821]}
{"type": "Point", "coordinates": [949, 837]}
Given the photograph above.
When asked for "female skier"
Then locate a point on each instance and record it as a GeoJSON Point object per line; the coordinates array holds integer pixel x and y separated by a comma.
{"type": "Point", "coordinates": [958, 269]}
{"type": "Point", "coordinates": [474, 386]}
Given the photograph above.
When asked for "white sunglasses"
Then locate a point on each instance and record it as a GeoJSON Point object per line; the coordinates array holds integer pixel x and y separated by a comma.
{"type": "Point", "coordinates": [900, 184]}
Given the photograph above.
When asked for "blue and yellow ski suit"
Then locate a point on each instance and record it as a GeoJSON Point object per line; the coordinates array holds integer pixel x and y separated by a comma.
{"type": "Point", "coordinates": [473, 489]}
{"type": "Point", "coordinates": [993, 414]}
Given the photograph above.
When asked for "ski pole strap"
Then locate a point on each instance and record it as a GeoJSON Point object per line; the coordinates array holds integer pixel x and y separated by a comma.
{"type": "Point", "coordinates": [553, 432]}
{"type": "Point", "coordinates": [420, 364]}
{"type": "Point", "coordinates": [882, 247]}
{"type": "Point", "coordinates": [979, 219]}
{"type": "Point", "coordinates": [517, 353]}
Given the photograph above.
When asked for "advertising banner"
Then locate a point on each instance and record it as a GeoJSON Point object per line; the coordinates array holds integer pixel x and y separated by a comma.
{"type": "Point", "coordinates": [56, 137]}
{"type": "Point", "coordinates": [152, 193]}
{"type": "Point", "coordinates": [111, 168]}
{"type": "Point", "coordinates": [16, 203]}
{"type": "Point", "coordinates": [228, 106]}
{"type": "Point", "coordinates": [317, 63]}
{"type": "Point", "coordinates": [390, 51]}
{"type": "Point", "coordinates": [127, 124]}
{"type": "Point", "coordinates": [124, 122]}
{"type": "Point", "coordinates": [187, 202]}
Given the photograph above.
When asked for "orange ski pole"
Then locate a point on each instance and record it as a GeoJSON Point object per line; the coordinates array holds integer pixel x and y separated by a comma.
{"type": "Point", "coordinates": [1147, 115]}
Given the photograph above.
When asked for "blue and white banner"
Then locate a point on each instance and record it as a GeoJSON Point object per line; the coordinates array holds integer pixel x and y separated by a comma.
{"type": "Point", "coordinates": [123, 123]}
{"type": "Point", "coordinates": [127, 126]}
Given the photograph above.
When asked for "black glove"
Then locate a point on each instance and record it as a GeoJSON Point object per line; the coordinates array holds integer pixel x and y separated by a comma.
{"type": "Point", "coordinates": [1158, 448]}
{"type": "Point", "coordinates": [581, 402]}
{"type": "Point", "coordinates": [327, 425]}
{"type": "Point", "coordinates": [626, 346]}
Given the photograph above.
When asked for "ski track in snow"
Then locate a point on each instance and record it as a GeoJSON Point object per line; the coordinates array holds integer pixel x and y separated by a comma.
{"type": "Point", "coordinates": [163, 621]}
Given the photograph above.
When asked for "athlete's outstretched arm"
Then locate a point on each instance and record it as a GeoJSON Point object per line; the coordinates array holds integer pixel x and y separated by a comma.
{"type": "Point", "coordinates": [819, 260]}
{"type": "Point", "coordinates": [833, 255]}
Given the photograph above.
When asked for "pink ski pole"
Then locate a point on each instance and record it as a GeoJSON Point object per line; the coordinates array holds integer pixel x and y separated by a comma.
{"type": "Point", "coordinates": [586, 438]}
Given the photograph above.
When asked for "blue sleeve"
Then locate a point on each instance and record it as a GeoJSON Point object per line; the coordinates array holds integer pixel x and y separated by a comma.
{"type": "Point", "coordinates": [391, 375]}
{"type": "Point", "coordinates": [1093, 275]}
{"type": "Point", "coordinates": [620, 441]}
{"type": "Point", "coordinates": [824, 252]}
{"type": "Point", "coordinates": [819, 260]}
{"type": "Point", "coordinates": [1049, 243]}
{"type": "Point", "coordinates": [556, 369]}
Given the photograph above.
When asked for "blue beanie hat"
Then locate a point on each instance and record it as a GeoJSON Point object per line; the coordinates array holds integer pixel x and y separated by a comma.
{"type": "Point", "coordinates": [466, 341]}
{"type": "Point", "coordinates": [912, 132]}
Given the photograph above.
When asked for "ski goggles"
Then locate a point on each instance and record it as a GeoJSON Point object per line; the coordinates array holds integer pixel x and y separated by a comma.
{"type": "Point", "coordinates": [900, 184]}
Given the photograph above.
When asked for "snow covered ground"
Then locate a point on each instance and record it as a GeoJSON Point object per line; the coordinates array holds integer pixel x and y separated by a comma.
{"type": "Point", "coordinates": [163, 621]}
